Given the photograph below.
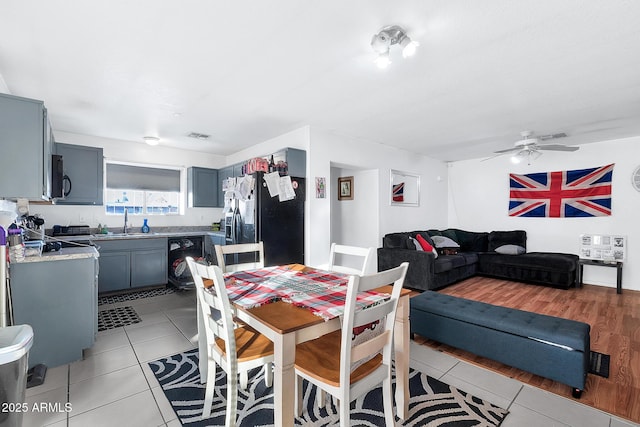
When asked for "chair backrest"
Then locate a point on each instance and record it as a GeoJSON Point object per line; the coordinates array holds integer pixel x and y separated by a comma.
{"type": "Point", "coordinates": [254, 251]}
{"type": "Point", "coordinates": [215, 308]}
{"type": "Point", "coordinates": [349, 253]}
{"type": "Point", "coordinates": [356, 352]}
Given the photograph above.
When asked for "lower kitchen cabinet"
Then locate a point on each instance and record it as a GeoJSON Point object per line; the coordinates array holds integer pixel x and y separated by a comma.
{"type": "Point", "coordinates": [59, 299]}
{"type": "Point", "coordinates": [132, 263]}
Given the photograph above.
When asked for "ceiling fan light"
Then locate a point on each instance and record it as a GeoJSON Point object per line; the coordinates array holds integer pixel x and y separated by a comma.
{"type": "Point", "coordinates": [408, 47]}
{"type": "Point", "coordinates": [534, 154]}
{"type": "Point", "coordinates": [381, 42]}
{"type": "Point", "coordinates": [383, 61]}
{"type": "Point", "coordinates": [151, 140]}
{"type": "Point", "coordinates": [515, 159]}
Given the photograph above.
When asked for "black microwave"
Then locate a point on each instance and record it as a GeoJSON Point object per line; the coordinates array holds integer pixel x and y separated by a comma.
{"type": "Point", "coordinates": [57, 177]}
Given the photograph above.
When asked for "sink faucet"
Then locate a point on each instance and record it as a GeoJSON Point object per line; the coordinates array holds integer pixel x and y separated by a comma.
{"type": "Point", "coordinates": [126, 217]}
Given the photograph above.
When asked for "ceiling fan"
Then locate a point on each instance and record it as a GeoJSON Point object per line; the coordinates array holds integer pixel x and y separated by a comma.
{"type": "Point", "coordinates": [529, 146]}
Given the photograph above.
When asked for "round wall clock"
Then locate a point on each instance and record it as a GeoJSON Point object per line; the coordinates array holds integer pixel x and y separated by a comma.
{"type": "Point", "coordinates": [635, 179]}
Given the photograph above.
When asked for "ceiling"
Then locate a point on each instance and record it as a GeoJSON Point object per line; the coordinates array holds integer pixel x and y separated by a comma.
{"type": "Point", "coordinates": [247, 71]}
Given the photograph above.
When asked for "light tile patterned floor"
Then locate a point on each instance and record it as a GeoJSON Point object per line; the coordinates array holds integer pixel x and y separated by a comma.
{"type": "Point", "coordinates": [113, 385]}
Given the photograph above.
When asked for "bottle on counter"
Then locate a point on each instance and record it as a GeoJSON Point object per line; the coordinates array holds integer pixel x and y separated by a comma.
{"type": "Point", "coordinates": [145, 226]}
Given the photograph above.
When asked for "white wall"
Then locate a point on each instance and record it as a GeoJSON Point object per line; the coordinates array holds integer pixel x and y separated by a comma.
{"type": "Point", "coordinates": [479, 198]}
{"type": "Point", "coordinates": [327, 150]}
{"type": "Point", "coordinates": [138, 153]}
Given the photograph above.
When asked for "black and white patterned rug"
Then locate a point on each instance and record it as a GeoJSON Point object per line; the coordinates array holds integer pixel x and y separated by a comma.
{"type": "Point", "coordinates": [117, 317]}
{"type": "Point", "coordinates": [432, 402]}
{"type": "Point", "coordinates": [131, 296]}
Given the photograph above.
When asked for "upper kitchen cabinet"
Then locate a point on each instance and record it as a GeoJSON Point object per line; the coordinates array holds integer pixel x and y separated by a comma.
{"type": "Point", "coordinates": [83, 170]}
{"type": "Point", "coordinates": [26, 140]}
{"type": "Point", "coordinates": [223, 174]}
{"type": "Point", "coordinates": [203, 187]}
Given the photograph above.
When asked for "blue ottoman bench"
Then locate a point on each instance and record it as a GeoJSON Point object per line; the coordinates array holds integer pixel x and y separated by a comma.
{"type": "Point", "coordinates": [552, 347]}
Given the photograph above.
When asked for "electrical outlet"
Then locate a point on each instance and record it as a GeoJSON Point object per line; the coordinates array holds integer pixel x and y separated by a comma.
{"type": "Point", "coordinates": [82, 219]}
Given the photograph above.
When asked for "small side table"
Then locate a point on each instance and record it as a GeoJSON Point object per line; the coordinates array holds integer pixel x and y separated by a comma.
{"type": "Point", "coordinates": [617, 265]}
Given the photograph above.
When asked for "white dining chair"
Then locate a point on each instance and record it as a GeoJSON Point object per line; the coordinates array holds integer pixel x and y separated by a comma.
{"type": "Point", "coordinates": [349, 255]}
{"type": "Point", "coordinates": [257, 249]}
{"type": "Point", "coordinates": [236, 349]}
{"type": "Point", "coordinates": [345, 367]}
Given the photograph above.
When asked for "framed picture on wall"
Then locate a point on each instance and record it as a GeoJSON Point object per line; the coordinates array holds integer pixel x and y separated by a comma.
{"type": "Point", "coordinates": [404, 188]}
{"type": "Point", "coordinates": [345, 188]}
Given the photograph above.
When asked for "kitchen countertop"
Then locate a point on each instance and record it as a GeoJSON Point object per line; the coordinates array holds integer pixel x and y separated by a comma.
{"type": "Point", "coordinates": [63, 254]}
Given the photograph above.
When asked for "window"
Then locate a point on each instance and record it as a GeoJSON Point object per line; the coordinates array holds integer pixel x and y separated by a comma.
{"type": "Point", "coordinates": [142, 190]}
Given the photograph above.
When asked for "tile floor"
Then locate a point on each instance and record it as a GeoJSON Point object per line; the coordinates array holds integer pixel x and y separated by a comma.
{"type": "Point", "coordinates": [113, 385]}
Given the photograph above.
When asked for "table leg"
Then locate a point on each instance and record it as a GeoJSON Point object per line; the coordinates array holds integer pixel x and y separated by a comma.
{"type": "Point", "coordinates": [401, 347]}
{"type": "Point", "coordinates": [284, 379]}
{"type": "Point", "coordinates": [619, 279]}
{"type": "Point", "coordinates": [580, 273]}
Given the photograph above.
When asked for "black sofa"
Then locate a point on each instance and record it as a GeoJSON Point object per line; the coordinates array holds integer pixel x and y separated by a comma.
{"type": "Point", "coordinates": [476, 255]}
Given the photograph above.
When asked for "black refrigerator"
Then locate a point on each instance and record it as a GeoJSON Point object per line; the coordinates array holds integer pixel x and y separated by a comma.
{"type": "Point", "coordinates": [278, 224]}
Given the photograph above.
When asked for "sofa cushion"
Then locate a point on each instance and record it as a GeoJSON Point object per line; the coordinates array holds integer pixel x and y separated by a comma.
{"type": "Point", "coordinates": [442, 263]}
{"type": "Point", "coordinates": [470, 241]}
{"type": "Point", "coordinates": [510, 250]}
{"type": "Point", "coordinates": [395, 241]}
{"type": "Point", "coordinates": [501, 238]}
{"type": "Point", "coordinates": [469, 257]}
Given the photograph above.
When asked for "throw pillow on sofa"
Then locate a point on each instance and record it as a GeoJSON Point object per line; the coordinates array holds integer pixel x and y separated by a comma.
{"type": "Point", "coordinates": [418, 247]}
{"type": "Point", "coordinates": [426, 246]}
{"type": "Point", "coordinates": [446, 245]}
{"type": "Point", "coordinates": [510, 250]}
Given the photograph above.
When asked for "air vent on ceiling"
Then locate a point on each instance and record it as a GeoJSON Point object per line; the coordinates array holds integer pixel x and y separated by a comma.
{"type": "Point", "coordinates": [197, 135]}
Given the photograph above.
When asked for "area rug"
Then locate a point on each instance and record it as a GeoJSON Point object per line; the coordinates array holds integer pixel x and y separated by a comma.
{"type": "Point", "coordinates": [117, 317]}
{"type": "Point", "coordinates": [131, 296]}
{"type": "Point", "coordinates": [432, 402]}
{"type": "Point", "coordinates": [599, 364]}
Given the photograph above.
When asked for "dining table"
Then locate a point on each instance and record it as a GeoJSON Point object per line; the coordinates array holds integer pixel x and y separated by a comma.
{"type": "Point", "coordinates": [291, 304]}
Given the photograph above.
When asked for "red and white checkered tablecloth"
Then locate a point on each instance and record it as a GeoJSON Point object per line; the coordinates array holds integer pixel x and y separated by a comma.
{"type": "Point", "coordinates": [322, 292]}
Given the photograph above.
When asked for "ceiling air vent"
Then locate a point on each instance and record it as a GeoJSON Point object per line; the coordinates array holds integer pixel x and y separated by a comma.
{"type": "Point", "coordinates": [197, 135]}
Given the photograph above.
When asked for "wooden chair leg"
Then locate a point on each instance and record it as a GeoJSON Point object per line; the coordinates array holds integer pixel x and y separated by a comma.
{"type": "Point", "coordinates": [299, 397]}
{"type": "Point", "coordinates": [387, 402]}
{"type": "Point", "coordinates": [244, 380]}
{"type": "Point", "coordinates": [321, 398]}
{"type": "Point", "coordinates": [268, 374]}
{"type": "Point", "coordinates": [232, 398]}
{"type": "Point", "coordinates": [208, 394]}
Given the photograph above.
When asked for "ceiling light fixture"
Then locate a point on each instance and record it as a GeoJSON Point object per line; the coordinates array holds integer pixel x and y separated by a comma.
{"type": "Point", "coordinates": [528, 153]}
{"type": "Point", "coordinates": [387, 37]}
{"type": "Point", "coordinates": [151, 140]}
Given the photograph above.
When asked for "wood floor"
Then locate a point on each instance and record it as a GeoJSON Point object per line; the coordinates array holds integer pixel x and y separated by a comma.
{"type": "Point", "coordinates": [615, 330]}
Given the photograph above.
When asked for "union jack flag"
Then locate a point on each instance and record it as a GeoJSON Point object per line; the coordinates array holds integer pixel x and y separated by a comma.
{"type": "Point", "coordinates": [575, 193]}
{"type": "Point", "coordinates": [398, 192]}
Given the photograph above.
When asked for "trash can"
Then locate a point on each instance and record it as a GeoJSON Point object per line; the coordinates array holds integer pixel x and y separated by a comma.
{"type": "Point", "coordinates": [15, 342]}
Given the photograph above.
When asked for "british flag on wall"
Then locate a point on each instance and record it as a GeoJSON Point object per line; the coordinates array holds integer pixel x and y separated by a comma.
{"type": "Point", "coordinates": [575, 193]}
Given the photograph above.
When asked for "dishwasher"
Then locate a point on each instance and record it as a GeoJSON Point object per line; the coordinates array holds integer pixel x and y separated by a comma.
{"type": "Point", "coordinates": [179, 249]}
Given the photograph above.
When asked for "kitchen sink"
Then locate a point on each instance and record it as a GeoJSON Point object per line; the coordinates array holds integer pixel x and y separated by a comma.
{"type": "Point", "coordinates": [116, 235]}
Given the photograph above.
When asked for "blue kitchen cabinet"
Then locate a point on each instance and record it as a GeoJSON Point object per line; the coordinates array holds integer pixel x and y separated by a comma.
{"type": "Point", "coordinates": [223, 174]}
{"type": "Point", "coordinates": [58, 298]}
{"type": "Point", "coordinates": [83, 167]}
{"type": "Point", "coordinates": [202, 188]}
{"type": "Point", "coordinates": [115, 270]}
{"type": "Point", "coordinates": [27, 143]}
{"type": "Point", "coordinates": [136, 262]}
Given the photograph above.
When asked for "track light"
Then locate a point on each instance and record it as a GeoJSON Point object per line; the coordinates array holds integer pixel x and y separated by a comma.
{"type": "Point", "coordinates": [388, 36]}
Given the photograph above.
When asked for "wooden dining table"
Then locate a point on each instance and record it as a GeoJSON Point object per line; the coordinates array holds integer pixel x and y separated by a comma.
{"type": "Point", "coordinates": [288, 325]}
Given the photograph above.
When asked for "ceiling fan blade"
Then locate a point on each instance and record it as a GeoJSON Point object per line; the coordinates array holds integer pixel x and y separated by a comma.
{"type": "Point", "coordinates": [492, 157]}
{"type": "Point", "coordinates": [552, 136]}
{"type": "Point", "coordinates": [557, 148]}
{"type": "Point", "coordinates": [508, 150]}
